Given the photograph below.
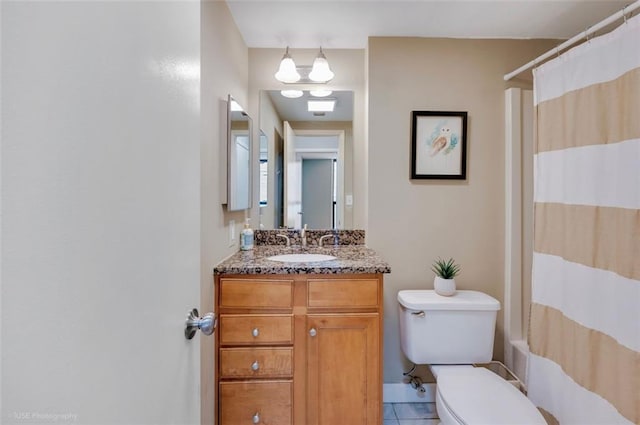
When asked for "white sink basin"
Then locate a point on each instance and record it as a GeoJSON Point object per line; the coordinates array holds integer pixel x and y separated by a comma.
{"type": "Point", "coordinates": [301, 258]}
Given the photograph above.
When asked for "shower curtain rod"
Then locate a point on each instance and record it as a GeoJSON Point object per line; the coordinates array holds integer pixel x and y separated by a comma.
{"type": "Point", "coordinates": [585, 34]}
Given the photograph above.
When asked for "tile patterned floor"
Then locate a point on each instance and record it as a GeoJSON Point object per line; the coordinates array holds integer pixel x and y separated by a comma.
{"type": "Point", "coordinates": [410, 414]}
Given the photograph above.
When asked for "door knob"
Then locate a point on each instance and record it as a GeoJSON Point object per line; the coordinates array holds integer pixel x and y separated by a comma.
{"type": "Point", "coordinates": [313, 332]}
{"type": "Point", "coordinates": [207, 324]}
{"type": "Point", "coordinates": [256, 418]}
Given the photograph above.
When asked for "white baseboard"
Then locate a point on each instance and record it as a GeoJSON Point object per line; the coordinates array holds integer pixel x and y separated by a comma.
{"type": "Point", "coordinates": [403, 393]}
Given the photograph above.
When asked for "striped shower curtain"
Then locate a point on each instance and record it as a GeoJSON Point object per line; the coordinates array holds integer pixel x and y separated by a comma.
{"type": "Point", "coordinates": [584, 336]}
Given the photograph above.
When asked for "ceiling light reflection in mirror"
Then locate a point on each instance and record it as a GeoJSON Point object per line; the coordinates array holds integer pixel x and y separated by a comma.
{"type": "Point", "coordinates": [324, 105]}
{"type": "Point", "coordinates": [295, 109]}
{"type": "Point", "coordinates": [320, 92]}
{"type": "Point", "coordinates": [292, 94]}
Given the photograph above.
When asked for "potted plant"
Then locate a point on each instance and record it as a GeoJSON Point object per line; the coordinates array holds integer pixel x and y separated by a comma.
{"type": "Point", "coordinates": [444, 282]}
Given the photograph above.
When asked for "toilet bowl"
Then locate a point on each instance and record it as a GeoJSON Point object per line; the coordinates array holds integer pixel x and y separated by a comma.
{"type": "Point", "coordinates": [450, 334]}
{"type": "Point", "coordinates": [477, 396]}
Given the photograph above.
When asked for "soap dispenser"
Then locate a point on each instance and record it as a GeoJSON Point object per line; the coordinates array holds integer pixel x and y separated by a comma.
{"type": "Point", "coordinates": [246, 237]}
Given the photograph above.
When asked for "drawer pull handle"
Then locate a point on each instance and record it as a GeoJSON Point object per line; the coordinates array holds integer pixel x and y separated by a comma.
{"type": "Point", "coordinates": [255, 332]}
{"type": "Point", "coordinates": [418, 313]}
{"type": "Point", "coordinates": [313, 332]}
{"type": "Point", "coordinates": [256, 418]}
{"type": "Point", "coordinates": [255, 366]}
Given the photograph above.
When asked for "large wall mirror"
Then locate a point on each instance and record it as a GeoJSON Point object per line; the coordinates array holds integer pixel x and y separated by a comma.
{"type": "Point", "coordinates": [239, 131]}
{"type": "Point", "coordinates": [306, 160]}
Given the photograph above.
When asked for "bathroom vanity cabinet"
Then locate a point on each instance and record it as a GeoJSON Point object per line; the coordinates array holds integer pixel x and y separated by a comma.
{"type": "Point", "coordinates": [299, 349]}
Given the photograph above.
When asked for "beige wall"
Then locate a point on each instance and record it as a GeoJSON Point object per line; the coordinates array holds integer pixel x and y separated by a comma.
{"type": "Point", "coordinates": [413, 222]}
{"type": "Point", "coordinates": [349, 67]}
{"type": "Point", "coordinates": [224, 70]}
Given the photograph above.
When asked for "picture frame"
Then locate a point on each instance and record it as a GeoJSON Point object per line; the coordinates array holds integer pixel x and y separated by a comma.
{"type": "Point", "coordinates": [438, 145]}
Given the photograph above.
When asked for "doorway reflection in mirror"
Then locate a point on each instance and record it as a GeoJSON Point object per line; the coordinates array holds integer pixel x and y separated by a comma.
{"type": "Point", "coordinates": [309, 162]}
{"type": "Point", "coordinates": [239, 131]}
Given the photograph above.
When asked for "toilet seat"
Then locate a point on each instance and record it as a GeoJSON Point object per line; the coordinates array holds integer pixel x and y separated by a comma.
{"type": "Point", "coordinates": [477, 396]}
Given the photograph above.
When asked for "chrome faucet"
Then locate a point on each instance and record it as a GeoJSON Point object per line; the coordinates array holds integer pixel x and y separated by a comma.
{"type": "Point", "coordinates": [327, 236]}
{"type": "Point", "coordinates": [285, 237]}
{"type": "Point", "coordinates": [303, 236]}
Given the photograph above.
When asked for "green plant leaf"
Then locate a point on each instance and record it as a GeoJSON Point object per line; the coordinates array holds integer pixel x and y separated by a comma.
{"type": "Point", "coordinates": [445, 269]}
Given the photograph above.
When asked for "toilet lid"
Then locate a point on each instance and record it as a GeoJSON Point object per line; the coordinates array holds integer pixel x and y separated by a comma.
{"type": "Point", "coordinates": [478, 396]}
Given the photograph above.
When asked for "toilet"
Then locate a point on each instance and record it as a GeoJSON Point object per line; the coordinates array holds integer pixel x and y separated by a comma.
{"type": "Point", "coordinates": [450, 334]}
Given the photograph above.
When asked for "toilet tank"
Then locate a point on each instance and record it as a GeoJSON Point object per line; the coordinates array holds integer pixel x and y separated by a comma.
{"type": "Point", "coordinates": [447, 330]}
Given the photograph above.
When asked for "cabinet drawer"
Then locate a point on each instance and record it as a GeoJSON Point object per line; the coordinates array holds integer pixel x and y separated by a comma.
{"type": "Point", "coordinates": [343, 293]}
{"type": "Point", "coordinates": [256, 362]}
{"type": "Point", "coordinates": [256, 294]}
{"type": "Point", "coordinates": [250, 329]}
{"type": "Point", "coordinates": [240, 402]}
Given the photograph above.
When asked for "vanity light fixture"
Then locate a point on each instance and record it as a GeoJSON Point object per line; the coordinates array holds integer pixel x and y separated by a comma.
{"type": "Point", "coordinates": [321, 105]}
{"type": "Point", "coordinates": [291, 94]}
{"type": "Point", "coordinates": [287, 72]}
{"type": "Point", "coordinates": [320, 92]}
{"type": "Point", "coordinates": [321, 73]}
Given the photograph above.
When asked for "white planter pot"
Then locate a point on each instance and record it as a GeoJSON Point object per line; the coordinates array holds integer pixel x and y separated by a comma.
{"type": "Point", "coordinates": [444, 287]}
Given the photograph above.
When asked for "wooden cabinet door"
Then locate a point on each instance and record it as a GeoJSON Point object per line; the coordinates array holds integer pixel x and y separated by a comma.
{"type": "Point", "coordinates": [343, 369]}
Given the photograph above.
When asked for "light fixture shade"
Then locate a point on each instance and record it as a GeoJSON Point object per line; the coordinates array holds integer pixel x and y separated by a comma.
{"type": "Point", "coordinates": [320, 92]}
{"type": "Point", "coordinates": [287, 72]}
{"type": "Point", "coordinates": [321, 73]}
{"type": "Point", "coordinates": [291, 94]}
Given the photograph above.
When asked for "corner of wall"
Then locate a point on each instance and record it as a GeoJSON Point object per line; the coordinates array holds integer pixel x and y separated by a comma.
{"type": "Point", "coordinates": [224, 70]}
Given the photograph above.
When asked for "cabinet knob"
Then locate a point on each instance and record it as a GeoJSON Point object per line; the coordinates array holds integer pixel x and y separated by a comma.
{"type": "Point", "coordinates": [255, 366]}
{"type": "Point", "coordinates": [313, 332]}
{"type": "Point", "coordinates": [255, 332]}
{"type": "Point", "coordinates": [256, 418]}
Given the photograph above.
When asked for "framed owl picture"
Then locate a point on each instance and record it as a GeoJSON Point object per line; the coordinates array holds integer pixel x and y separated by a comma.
{"type": "Point", "coordinates": [438, 145]}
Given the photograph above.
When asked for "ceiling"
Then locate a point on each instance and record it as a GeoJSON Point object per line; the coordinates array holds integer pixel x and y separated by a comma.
{"type": "Point", "coordinates": [348, 23]}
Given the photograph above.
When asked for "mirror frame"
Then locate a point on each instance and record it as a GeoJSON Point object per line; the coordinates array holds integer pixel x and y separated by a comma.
{"type": "Point", "coordinates": [236, 187]}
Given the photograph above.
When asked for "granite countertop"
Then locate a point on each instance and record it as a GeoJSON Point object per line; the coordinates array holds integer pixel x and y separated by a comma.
{"type": "Point", "coordinates": [353, 259]}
